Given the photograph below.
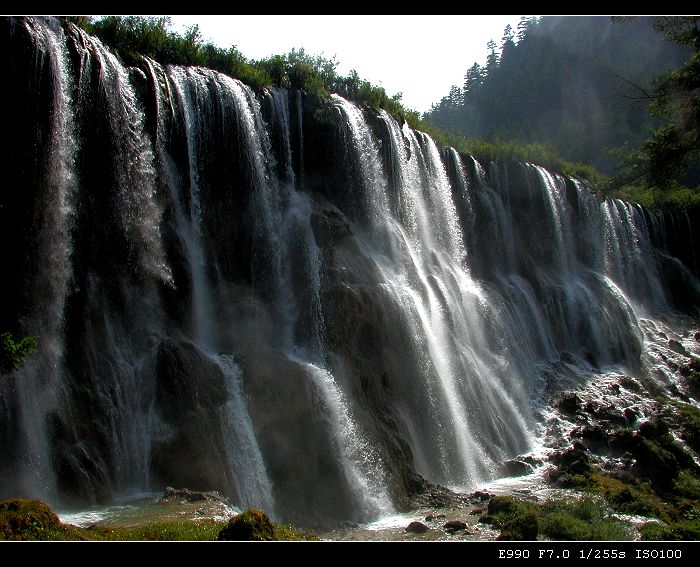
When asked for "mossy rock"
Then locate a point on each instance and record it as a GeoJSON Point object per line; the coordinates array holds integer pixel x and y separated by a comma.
{"type": "Point", "coordinates": [523, 527]}
{"type": "Point", "coordinates": [251, 525]}
{"type": "Point", "coordinates": [502, 505]}
{"type": "Point", "coordinates": [26, 519]}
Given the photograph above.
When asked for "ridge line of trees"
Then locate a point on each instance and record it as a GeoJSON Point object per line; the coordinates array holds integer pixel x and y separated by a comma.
{"type": "Point", "coordinates": [133, 37]}
{"type": "Point", "coordinates": [621, 94]}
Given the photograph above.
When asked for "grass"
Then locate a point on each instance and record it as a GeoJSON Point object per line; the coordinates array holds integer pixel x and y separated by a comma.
{"type": "Point", "coordinates": [34, 521]}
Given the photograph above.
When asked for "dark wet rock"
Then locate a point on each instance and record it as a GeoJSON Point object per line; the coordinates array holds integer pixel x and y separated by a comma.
{"type": "Point", "coordinates": [251, 525]}
{"type": "Point", "coordinates": [476, 512]}
{"type": "Point", "coordinates": [690, 376]}
{"type": "Point", "coordinates": [417, 527]}
{"type": "Point", "coordinates": [330, 225]}
{"type": "Point", "coordinates": [696, 336]}
{"type": "Point", "coordinates": [567, 358]}
{"type": "Point", "coordinates": [621, 440]}
{"type": "Point", "coordinates": [630, 384]}
{"type": "Point", "coordinates": [676, 346]}
{"type": "Point", "coordinates": [431, 517]}
{"type": "Point", "coordinates": [569, 403]}
{"type": "Point", "coordinates": [190, 388]}
{"type": "Point", "coordinates": [481, 495]}
{"type": "Point", "coordinates": [454, 526]}
{"type": "Point", "coordinates": [530, 460]}
{"type": "Point", "coordinates": [435, 496]}
{"type": "Point", "coordinates": [607, 412]}
{"type": "Point", "coordinates": [517, 467]}
{"type": "Point", "coordinates": [184, 494]}
{"type": "Point", "coordinates": [594, 436]}
{"type": "Point", "coordinates": [570, 462]}
{"type": "Point", "coordinates": [631, 415]}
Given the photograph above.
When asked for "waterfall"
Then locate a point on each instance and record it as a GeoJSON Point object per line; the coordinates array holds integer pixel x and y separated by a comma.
{"type": "Point", "coordinates": [37, 383]}
{"type": "Point", "coordinates": [303, 304]}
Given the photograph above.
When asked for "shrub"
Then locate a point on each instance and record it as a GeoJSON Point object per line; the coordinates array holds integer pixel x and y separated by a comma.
{"type": "Point", "coordinates": [13, 354]}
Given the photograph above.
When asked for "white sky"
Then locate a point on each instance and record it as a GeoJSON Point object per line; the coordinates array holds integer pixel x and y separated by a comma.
{"type": "Point", "coordinates": [419, 56]}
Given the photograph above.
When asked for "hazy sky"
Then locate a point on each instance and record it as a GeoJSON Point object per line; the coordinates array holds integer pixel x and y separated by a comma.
{"type": "Point", "coordinates": [419, 56]}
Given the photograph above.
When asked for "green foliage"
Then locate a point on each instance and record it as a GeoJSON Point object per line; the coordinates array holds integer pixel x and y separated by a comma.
{"type": "Point", "coordinates": [687, 486]}
{"type": "Point", "coordinates": [521, 527]}
{"type": "Point", "coordinates": [561, 84]}
{"type": "Point", "coordinates": [511, 150]}
{"type": "Point", "coordinates": [668, 159]}
{"type": "Point", "coordinates": [575, 84]}
{"type": "Point", "coordinates": [582, 519]}
{"type": "Point", "coordinates": [133, 37]}
{"type": "Point", "coordinates": [688, 416]}
{"type": "Point", "coordinates": [685, 530]}
{"type": "Point", "coordinates": [13, 353]}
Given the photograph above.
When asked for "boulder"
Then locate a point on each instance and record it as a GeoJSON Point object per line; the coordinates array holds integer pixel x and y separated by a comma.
{"type": "Point", "coordinates": [417, 527]}
{"type": "Point", "coordinates": [516, 467]}
{"type": "Point", "coordinates": [676, 346]}
{"type": "Point", "coordinates": [26, 519]}
{"type": "Point", "coordinates": [569, 403]}
{"type": "Point", "coordinates": [184, 494]}
{"type": "Point", "coordinates": [454, 526]}
{"type": "Point", "coordinates": [481, 495]}
{"type": "Point", "coordinates": [251, 525]}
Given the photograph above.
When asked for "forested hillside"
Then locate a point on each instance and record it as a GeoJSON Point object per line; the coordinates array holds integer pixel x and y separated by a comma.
{"type": "Point", "coordinates": [576, 83]}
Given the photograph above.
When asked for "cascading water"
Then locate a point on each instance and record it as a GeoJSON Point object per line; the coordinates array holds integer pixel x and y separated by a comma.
{"type": "Point", "coordinates": [303, 305]}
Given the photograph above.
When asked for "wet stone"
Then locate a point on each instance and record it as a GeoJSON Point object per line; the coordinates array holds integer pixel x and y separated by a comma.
{"type": "Point", "coordinates": [454, 526]}
{"type": "Point", "coordinates": [417, 527]}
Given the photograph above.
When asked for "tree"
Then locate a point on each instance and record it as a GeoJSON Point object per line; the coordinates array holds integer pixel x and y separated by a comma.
{"type": "Point", "coordinates": [507, 39]}
{"type": "Point", "coordinates": [473, 79]}
{"type": "Point", "coordinates": [455, 96]}
{"type": "Point", "coordinates": [674, 147]}
{"type": "Point", "coordinates": [13, 354]}
{"type": "Point", "coordinates": [493, 58]}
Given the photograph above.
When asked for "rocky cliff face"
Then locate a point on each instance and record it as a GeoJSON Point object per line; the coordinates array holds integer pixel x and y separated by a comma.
{"type": "Point", "coordinates": [302, 304]}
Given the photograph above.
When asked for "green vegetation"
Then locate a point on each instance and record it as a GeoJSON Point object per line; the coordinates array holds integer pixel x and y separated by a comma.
{"type": "Point", "coordinates": [582, 519]}
{"type": "Point", "coordinates": [661, 480]}
{"type": "Point", "coordinates": [675, 144]}
{"type": "Point", "coordinates": [590, 89]}
{"type": "Point", "coordinates": [688, 417]}
{"type": "Point", "coordinates": [251, 525]}
{"type": "Point", "coordinates": [512, 150]}
{"type": "Point", "coordinates": [34, 520]}
{"type": "Point", "coordinates": [133, 37]}
{"type": "Point", "coordinates": [14, 353]}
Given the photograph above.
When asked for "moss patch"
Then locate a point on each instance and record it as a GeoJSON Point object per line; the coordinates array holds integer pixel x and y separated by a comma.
{"type": "Point", "coordinates": [27, 519]}
{"type": "Point", "coordinates": [251, 525]}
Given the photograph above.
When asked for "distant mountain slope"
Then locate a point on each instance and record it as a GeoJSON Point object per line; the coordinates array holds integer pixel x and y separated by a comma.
{"type": "Point", "coordinates": [568, 81]}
